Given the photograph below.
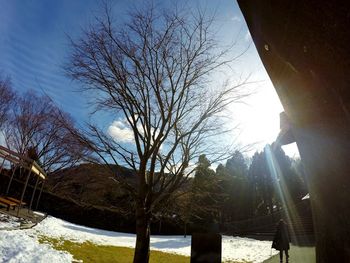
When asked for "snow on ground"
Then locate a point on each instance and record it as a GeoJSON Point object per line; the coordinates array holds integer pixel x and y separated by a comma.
{"type": "Point", "coordinates": [246, 249]}
{"type": "Point", "coordinates": [17, 246]}
{"type": "Point", "coordinates": [8, 221]}
{"type": "Point", "coordinates": [233, 248]}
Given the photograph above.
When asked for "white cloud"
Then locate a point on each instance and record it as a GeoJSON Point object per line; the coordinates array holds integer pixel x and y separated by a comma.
{"type": "Point", "coordinates": [247, 36]}
{"type": "Point", "coordinates": [121, 132]}
{"type": "Point", "coordinates": [236, 18]}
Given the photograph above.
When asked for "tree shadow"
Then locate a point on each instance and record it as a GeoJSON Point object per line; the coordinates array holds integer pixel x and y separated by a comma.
{"type": "Point", "coordinates": [97, 231]}
{"type": "Point", "coordinates": [171, 243]}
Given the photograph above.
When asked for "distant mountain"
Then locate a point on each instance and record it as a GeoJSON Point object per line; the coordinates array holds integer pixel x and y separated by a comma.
{"type": "Point", "coordinates": [92, 184]}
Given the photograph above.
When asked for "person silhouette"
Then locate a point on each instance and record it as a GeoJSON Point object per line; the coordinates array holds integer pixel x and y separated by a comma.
{"type": "Point", "coordinates": [281, 239]}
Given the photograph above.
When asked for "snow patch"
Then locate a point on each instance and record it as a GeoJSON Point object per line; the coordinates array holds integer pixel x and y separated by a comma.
{"type": "Point", "coordinates": [7, 221]}
{"type": "Point", "coordinates": [17, 246]}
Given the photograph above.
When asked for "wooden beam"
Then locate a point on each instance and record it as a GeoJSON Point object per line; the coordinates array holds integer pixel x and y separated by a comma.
{"type": "Point", "coordinates": [24, 190]}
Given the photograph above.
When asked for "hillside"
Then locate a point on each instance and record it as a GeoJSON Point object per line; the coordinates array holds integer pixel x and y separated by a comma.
{"type": "Point", "coordinates": [91, 184]}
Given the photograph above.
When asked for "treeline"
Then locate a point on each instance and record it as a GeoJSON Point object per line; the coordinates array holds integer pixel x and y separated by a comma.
{"type": "Point", "coordinates": [242, 188]}
{"type": "Point", "coordinates": [32, 125]}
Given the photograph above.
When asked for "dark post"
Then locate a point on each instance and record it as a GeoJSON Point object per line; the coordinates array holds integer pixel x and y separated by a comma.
{"type": "Point", "coordinates": [9, 184]}
{"type": "Point", "coordinates": [31, 200]}
{"type": "Point", "coordinates": [206, 248]}
{"type": "Point", "coordinates": [24, 190]}
{"type": "Point", "coordinates": [2, 164]}
{"type": "Point", "coordinates": [41, 190]}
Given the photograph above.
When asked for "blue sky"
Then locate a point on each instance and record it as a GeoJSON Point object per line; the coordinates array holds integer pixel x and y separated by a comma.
{"type": "Point", "coordinates": [34, 47]}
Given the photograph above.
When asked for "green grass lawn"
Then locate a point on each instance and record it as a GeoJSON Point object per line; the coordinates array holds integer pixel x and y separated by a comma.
{"type": "Point", "coordinates": [92, 253]}
{"type": "Point", "coordinates": [297, 254]}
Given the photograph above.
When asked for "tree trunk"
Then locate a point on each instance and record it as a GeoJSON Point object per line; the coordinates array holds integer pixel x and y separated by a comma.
{"type": "Point", "coordinates": [142, 251]}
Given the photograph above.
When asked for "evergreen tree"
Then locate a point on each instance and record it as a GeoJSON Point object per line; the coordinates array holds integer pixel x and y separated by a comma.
{"type": "Point", "coordinates": [206, 194]}
{"type": "Point", "coordinates": [275, 181]}
{"type": "Point", "coordinates": [237, 165]}
{"type": "Point", "coordinates": [291, 184]}
{"type": "Point", "coordinates": [235, 185]}
{"type": "Point", "coordinates": [263, 184]}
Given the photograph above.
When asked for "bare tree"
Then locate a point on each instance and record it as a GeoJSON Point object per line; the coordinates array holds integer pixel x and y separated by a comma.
{"type": "Point", "coordinates": [6, 99]}
{"type": "Point", "coordinates": [37, 127]}
{"type": "Point", "coordinates": [156, 75]}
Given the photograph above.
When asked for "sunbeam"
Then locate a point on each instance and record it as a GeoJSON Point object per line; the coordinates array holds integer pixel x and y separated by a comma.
{"type": "Point", "coordinates": [290, 211]}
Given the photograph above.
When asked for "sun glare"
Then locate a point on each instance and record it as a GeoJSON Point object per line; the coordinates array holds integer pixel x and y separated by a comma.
{"type": "Point", "coordinates": [258, 117]}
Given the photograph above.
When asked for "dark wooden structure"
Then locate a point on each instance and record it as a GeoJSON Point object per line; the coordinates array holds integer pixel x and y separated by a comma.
{"type": "Point", "coordinates": [30, 168]}
{"type": "Point", "coordinates": [304, 46]}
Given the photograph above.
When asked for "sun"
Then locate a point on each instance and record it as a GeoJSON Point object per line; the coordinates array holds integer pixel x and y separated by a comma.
{"type": "Point", "coordinates": [258, 117]}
